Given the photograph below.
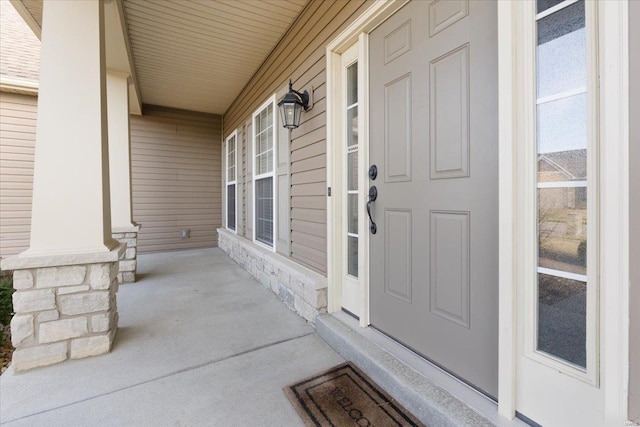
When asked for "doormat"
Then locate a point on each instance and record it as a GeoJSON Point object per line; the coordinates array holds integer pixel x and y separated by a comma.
{"type": "Point", "coordinates": [344, 396]}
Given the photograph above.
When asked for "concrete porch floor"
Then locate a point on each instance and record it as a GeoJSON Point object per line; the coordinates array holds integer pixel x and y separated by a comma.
{"type": "Point", "coordinates": [199, 343]}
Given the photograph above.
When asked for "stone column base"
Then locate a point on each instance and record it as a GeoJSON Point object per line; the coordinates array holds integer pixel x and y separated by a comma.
{"type": "Point", "coordinates": [65, 307]}
{"type": "Point", "coordinates": [129, 259]}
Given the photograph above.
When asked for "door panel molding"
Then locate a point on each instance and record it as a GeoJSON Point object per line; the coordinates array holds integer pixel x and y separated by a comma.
{"type": "Point", "coordinates": [398, 237]}
{"type": "Point", "coordinates": [397, 141]}
{"type": "Point", "coordinates": [443, 14]}
{"type": "Point", "coordinates": [450, 266]}
{"type": "Point", "coordinates": [397, 42]}
{"type": "Point", "coordinates": [449, 140]}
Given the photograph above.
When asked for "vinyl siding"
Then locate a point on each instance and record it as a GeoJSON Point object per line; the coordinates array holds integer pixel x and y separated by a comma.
{"type": "Point", "coordinates": [176, 178]}
{"type": "Point", "coordinates": [300, 55]}
{"type": "Point", "coordinates": [17, 149]}
{"type": "Point", "coordinates": [175, 160]}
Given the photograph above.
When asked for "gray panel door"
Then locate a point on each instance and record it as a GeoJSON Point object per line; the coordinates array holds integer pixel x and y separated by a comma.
{"type": "Point", "coordinates": [434, 139]}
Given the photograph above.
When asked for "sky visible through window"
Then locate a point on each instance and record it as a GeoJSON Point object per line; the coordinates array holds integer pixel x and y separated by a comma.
{"type": "Point", "coordinates": [562, 68]}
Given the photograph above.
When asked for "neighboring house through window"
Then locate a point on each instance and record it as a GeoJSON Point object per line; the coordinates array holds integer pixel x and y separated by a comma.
{"type": "Point", "coordinates": [263, 178]}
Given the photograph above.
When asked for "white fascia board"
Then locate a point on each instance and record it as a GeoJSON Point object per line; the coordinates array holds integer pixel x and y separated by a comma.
{"type": "Point", "coordinates": [135, 98]}
{"type": "Point", "coordinates": [28, 18]}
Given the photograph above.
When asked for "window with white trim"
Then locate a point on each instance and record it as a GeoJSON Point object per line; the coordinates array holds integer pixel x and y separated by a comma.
{"type": "Point", "coordinates": [264, 172]}
{"type": "Point", "coordinates": [231, 181]}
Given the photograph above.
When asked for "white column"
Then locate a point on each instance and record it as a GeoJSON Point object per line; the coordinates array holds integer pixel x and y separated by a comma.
{"type": "Point", "coordinates": [71, 206]}
{"type": "Point", "coordinates": [66, 282]}
{"type": "Point", "coordinates": [123, 228]}
{"type": "Point", "coordinates": [119, 150]}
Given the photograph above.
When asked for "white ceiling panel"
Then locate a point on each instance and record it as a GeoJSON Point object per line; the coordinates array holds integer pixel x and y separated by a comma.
{"type": "Point", "coordinates": [199, 54]}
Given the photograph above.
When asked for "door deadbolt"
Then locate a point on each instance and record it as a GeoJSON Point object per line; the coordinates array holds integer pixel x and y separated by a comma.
{"type": "Point", "coordinates": [373, 172]}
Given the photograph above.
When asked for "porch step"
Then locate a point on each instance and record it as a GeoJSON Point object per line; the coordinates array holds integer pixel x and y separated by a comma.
{"type": "Point", "coordinates": [433, 396]}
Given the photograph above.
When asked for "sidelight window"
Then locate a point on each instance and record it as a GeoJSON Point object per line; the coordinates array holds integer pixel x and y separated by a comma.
{"type": "Point", "coordinates": [351, 160]}
{"type": "Point", "coordinates": [565, 296]}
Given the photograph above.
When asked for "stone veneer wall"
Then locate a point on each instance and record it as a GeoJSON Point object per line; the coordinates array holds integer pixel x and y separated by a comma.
{"type": "Point", "coordinates": [63, 312]}
{"type": "Point", "coordinates": [129, 259]}
{"type": "Point", "coordinates": [302, 290]}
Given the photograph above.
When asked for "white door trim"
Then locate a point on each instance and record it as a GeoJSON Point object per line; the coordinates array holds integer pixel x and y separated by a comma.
{"type": "Point", "coordinates": [613, 19]}
{"type": "Point", "coordinates": [357, 32]}
{"type": "Point", "coordinates": [507, 210]}
{"type": "Point", "coordinates": [613, 55]}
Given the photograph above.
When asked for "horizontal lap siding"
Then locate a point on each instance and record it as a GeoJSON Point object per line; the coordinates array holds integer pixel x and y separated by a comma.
{"type": "Point", "coordinates": [300, 55]}
{"type": "Point", "coordinates": [17, 149]}
{"type": "Point", "coordinates": [176, 169]}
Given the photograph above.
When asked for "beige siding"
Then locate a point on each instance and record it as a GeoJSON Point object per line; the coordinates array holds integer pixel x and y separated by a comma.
{"type": "Point", "coordinates": [17, 148]}
{"type": "Point", "coordinates": [300, 55]}
{"type": "Point", "coordinates": [176, 178]}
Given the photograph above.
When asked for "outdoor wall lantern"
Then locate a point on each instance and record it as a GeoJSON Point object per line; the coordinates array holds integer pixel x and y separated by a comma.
{"type": "Point", "coordinates": [291, 106]}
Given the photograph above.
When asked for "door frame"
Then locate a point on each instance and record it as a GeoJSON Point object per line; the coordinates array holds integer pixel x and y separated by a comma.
{"type": "Point", "coordinates": [357, 32]}
{"type": "Point", "coordinates": [613, 221]}
{"type": "Point", "coordinates": [614, 176]}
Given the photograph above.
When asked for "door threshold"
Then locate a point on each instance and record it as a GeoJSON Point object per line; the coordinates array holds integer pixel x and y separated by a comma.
{"type": "Point", "coordinates": [431, 394]}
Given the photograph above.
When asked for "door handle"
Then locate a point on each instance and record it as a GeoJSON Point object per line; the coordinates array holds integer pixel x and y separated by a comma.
{"type": "Point", "coordinates": [373, 195]}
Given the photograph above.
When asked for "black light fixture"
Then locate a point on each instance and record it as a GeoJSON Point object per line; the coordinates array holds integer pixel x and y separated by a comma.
{"type": "Point", "coordinates": [291, 106]}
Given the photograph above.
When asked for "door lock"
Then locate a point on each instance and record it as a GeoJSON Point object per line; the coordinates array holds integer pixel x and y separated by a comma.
{"type": "Point", "coordinates": [373, 172]}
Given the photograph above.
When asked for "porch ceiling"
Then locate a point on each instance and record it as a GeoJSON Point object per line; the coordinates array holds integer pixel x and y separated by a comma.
{"type": "Point", "coordinates": [199, 54]}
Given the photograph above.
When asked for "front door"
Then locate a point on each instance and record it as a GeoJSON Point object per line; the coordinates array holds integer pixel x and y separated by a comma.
{"type": "Point", "coordinates": [434, 140]}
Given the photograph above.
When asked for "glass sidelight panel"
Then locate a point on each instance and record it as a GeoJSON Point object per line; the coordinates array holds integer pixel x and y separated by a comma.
{"type": "Point", "coordinates": [562, 128]}
{"type": "Point", "coordinates": [352, 214]}
{"type": "Point", "coordinates": [562, 143]}
{"type": "Point", "coordinates": [562, 229]}
{"type": "Point", "coordinates": [352, 256]}
{"type": "Point", "coordinates": [562, 51]}
{"type": "Point", "coordinates": [352, 171]}
{"type": "Point", "coordinates": [351, 162]}
{"type": "Point", "coordinates": [352, 125]}
{"type": "Point", "coordinates": [562, 318]}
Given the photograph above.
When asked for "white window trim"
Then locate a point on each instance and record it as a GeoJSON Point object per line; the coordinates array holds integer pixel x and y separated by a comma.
{"type": "Point", "coordinates": [613, 222]}
{"type": "Point", "coordinates": [529, 189]}
{"type": "Point", "coordinates": [338, 255]}
{"type": "Point", "coordinates": [234, 134]}
{"type": "Point", "coordinates": [272, 174]}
